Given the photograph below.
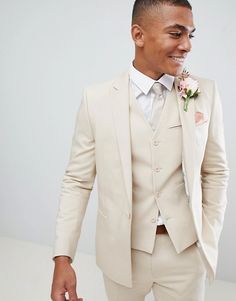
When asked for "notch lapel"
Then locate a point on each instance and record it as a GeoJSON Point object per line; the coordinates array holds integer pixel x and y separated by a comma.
{"type": "Point", "coordinates": [188, 143]}
{"type": "Point", "coordinates": [120, 96]}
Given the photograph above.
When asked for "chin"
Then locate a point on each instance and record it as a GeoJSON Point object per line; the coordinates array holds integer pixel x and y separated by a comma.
{"type": "Point", "coordinates": [175, 72]}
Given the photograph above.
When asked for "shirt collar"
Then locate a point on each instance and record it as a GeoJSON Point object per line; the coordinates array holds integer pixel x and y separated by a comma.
{"type": "Point", "coordinates": [144, 83]}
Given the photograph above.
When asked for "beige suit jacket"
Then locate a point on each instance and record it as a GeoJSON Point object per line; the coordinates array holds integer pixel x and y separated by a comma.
{"type": "Point", "coordinates": [101, 145]}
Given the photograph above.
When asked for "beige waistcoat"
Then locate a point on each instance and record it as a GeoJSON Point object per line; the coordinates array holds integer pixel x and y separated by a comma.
{"type": "Point", "coordinates": [157, 178]}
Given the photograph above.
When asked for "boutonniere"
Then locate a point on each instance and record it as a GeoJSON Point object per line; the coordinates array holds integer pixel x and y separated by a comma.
{"type": "Point", "coordinates": [188, 88]}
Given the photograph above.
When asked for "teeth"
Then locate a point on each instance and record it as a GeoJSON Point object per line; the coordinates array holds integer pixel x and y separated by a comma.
{"type": "Point", "coordinates": [178, 59]}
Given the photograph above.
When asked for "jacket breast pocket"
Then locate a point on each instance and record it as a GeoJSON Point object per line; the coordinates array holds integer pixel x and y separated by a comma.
{"type": "Point", "coordinates": [175, 125]}
{"type": "Point", "coordinates": [201, 123]}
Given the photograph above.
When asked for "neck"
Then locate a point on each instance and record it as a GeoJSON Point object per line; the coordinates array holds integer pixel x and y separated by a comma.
{"type": "Point", "coordinates": [145, 70]}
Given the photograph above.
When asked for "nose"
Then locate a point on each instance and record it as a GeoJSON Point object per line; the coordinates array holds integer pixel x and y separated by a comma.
{"type": "Point", "coordinates": [186, 44]}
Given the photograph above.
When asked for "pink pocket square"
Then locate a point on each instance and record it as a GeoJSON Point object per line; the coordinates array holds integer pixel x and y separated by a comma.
{"type": "Point", "coordinates": [199, 118]}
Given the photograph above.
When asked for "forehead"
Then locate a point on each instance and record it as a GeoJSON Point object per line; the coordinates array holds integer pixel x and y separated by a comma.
{"type": "Point", "coordinates": [166, 16]}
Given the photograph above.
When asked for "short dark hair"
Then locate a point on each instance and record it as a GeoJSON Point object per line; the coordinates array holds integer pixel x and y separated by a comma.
{"type": "Point", "coordinates": [142, 6]}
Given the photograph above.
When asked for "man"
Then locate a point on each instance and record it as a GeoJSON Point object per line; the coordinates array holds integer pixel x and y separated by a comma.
{"type": "Point", "coordinates": [154, 137]}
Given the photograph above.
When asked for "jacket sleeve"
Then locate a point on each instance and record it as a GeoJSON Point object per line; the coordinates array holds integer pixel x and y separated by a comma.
{"type": "Point", "coordinates": [214, 173]}
{"type": "Point", "coordinates": [77, 184]}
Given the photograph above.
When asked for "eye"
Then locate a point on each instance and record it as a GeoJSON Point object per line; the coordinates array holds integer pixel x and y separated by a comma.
{"type": "Point", "coordinates": [191, 36]}
{"type": "Point", "coordinates": [176, 34]}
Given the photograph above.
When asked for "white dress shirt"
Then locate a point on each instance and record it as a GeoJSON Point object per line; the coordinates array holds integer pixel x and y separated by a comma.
{"type": "Point", "coordinates": [142, 87]}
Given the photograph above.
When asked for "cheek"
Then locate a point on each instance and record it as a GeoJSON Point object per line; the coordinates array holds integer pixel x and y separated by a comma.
{"type": "Point", "coordinates": [169, 46]}
{"type": "Point", "coordinates": [152, 54]}
{"type": "Point", "coordinates": [152, 45]}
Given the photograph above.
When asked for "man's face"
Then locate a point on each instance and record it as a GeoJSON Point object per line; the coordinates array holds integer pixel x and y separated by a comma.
{"type": "Point", "coordinates": [163, 42]}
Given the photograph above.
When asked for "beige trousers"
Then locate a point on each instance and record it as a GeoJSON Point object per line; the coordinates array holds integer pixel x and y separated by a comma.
{"type": "Point", "coordinates": [170, 276]}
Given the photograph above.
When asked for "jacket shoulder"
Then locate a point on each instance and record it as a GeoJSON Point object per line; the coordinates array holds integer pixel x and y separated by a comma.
{"type": "Point", "coordinates": [102, 89]}
{"type": "Point", "coordinates": [99, 87]}
{"type": "Point", "coordinates": [204, 82]}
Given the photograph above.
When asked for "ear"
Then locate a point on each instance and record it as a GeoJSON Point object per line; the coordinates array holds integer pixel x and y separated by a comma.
{"type": "Point", "coordinates": [137, 35]}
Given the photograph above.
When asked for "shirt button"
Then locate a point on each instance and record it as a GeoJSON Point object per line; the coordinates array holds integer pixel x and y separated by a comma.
{"type": "Point", "coordinates": [157, 169]}
{"type": "Point", "coordinates": [156, 143]}
{"type": "Point", "coordinates": [154, 220]}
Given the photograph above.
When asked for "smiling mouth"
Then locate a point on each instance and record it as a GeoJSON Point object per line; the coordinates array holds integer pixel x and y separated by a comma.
{"type": "Point", "coordinates": [178, 59]}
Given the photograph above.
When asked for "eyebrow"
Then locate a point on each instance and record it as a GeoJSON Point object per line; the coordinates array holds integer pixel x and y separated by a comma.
{"type": "Point", "coordinates": [180, 27]}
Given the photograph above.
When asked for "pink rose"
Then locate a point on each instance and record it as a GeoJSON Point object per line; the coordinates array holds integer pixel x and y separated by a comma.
{"type": "Point", "coordinates": [188, 88]}
{"type": "Point", "coordinates": [186, 85]}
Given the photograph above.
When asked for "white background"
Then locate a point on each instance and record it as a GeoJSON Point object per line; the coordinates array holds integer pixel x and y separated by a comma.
{"type": "Point", "coordinates": [49, 51]}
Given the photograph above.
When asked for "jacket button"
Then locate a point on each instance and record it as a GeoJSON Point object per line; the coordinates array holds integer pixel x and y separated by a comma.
{"type": "Point", "coordinates": [198, 244]}
{"type": "Point", "coordinates": [154, 220]}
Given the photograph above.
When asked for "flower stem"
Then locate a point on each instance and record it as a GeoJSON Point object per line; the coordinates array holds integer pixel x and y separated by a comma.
{"type": "Point", "coordinates": [186, 102]}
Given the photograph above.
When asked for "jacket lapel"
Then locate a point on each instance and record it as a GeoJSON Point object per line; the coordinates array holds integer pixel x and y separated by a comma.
{"type": "Point", "coordinates": [188, 143]}
{"type": "Point", "coordinates": [120, 96]}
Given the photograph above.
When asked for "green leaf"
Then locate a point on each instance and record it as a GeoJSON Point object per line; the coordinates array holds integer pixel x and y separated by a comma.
{"type": "Point", "coordinates": [189, 93]}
